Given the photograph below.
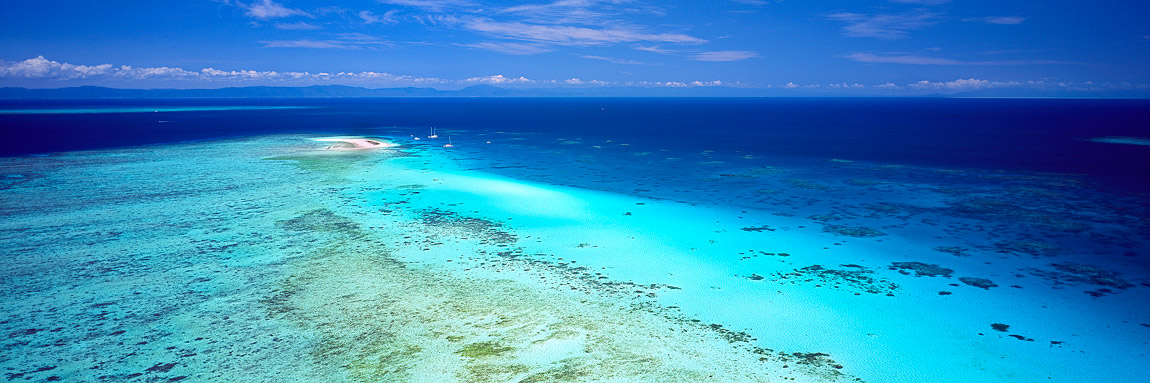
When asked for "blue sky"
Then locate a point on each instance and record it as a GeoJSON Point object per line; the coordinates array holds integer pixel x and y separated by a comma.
{"type": "Point", "coordinates": [879, 46]}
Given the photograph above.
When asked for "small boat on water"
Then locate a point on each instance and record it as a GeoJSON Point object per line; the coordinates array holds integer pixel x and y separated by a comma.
{"type": "Point", "coordinates": [433, 135]}
{"type": "Point", "coordinates": [448, 144]}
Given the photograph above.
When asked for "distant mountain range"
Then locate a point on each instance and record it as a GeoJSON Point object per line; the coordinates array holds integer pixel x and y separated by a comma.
{"type": "Point", "coordinates": [342, 91]}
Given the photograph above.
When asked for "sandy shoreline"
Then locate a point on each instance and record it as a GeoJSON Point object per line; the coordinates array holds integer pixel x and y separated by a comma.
{"type": "Point", "coordinates": [355, 143]}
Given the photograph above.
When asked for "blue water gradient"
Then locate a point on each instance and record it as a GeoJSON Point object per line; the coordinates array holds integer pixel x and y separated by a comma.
{"type": "Point", "coordinates": [1015, 134]}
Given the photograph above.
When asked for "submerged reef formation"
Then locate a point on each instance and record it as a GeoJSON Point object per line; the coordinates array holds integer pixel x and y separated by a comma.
{"type": "Point", "coordinates": [957, 251]}
{"type": "Point", "coordinates": [322, 220]}
{"type": "Point", "coordinates": [1073, 274]}
{"type": "Point", "coordinates": [861, 182]}
{"type": "Point", "coordinates": [1032, 247]}
{"type": "Point", "coordinates": [9, 181]}
{"type": "Point", "coordinates": [982, 283]}
{"type": "Point", "coordinates": [388, 321]}
{"type": "Point", "coordinates": [995, 209]}
{"type": "Point", "coordinates": [849, 231]}
{"type": "Point", "coordinates": [921, 269]}
{"type": "Point", "coordinates": [449, 222]}
{"type": "Point", "coordinates": [850, 277]}
{"type": "Point", "coordinates": [805, 184]}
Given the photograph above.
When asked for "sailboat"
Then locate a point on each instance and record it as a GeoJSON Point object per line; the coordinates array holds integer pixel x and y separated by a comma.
{"type": "Point", "coordinates": [433, 135]}
{"type": "Point", "coordinates": [448, 144]}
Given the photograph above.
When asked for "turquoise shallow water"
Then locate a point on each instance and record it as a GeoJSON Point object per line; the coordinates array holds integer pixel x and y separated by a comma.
{"type": "Point", "coordinates": [544, 258]}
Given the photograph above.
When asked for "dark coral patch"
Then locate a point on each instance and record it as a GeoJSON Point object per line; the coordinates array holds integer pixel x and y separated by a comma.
{"type": "Point", "coordinates": [921, 269]}
{"type": "Point", "coordinates": [848, 231]}
{"type": "Point", "coordinates": [978, 282]}
{"type": "Point", "coordinates": [161, 367]}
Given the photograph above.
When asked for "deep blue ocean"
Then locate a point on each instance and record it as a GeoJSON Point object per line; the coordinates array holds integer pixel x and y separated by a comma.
{"type": "Point", "coordinates": [1042, 135]}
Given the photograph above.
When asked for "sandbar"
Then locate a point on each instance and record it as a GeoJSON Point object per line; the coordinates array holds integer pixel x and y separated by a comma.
{"type": "Point", "coordinates": [356, 143]}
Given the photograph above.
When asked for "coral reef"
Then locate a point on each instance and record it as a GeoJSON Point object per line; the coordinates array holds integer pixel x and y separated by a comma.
{"type": "Point", "coordinates": [1079, 274]}
{"type": "Point", "coordinates": [1032, 247]}
{"type": "Point", "coordinates": [848, 231]}
{"type": "Point", "coordinates": [861, 182]}
{"type": "Point", "coordinates": [957, 251]}
{"type": "Point", "coordinates": [805, 184]}
{"type": "Point", "coordinates": [978, 282]}
{"type": "Point", "coordinates": [483, 349]}
{"type": "Point", "coordinates": [921, 269]}
{"type": "Point", "coordinates": [452, 223]}
{"type": "Point", "coordinates": [321, 220]}
{"type": "Point", "coordinates": [851, 277]}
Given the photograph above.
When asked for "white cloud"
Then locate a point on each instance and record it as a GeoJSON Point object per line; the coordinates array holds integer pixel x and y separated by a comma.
{"type": "Point", "coordinates": [612, 60]}
{"type": "Point", "coordinates": [297, 26]}
{"type": "Point", "coordinates": [569, 35]}
{"type": "Point", "coordinates": [305, 43]}
{"type": "Point", "coordinates": [577, 81]}
{"type": "Point", "coordinates": [846, 86]}
{"type": "Point", "coordinates": [497, 79]}
{"type": "Point", "coordinates": [724, 56]}
{"type": "Point", "coordinates": [524, 28]}
{"type": "Point", "coordinates": [371, 18]}
{"type": "Point", "coordinates": [347, 41]}
{"type": "Point", "coordinates": [675, 84]}
{"type": "Point", "coordinates": [267, 9]}
{"type": "Point", "coordinates": [586, 12]}
{"type": "Point", "coordinates": [41, 68]}
{"type": "Point", "coordinates": [509, 48]}
{"type": "Point", "coordinates": [656, 49]}
{"type": "Point", "coordinates": [924, 60]}
{"type": "Point", "coordinates": [791, 85]}
{"type": "Point", "coordinates": [960, 84]}
{"type": "Point", "coordinates": [889, 85]}
{"type": "Point", "coordinates": [431, 5]}
{"type": "Point", "coordinates": [1001, 20]}
{"type": "Point", "coordinates": [240, 74]}
{"type": "Point", "coordinates": [901, 59]}
{"type": "Point", "coordinates": [128, 72]}
{"type": "Point", "coordinates": [884, 26]}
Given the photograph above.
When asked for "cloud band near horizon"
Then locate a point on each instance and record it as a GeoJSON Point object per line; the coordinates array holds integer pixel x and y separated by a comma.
{"type": "Point", "coordinates": [56, 73]}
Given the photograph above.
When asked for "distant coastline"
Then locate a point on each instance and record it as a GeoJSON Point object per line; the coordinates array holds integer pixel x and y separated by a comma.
{"type": "Point", "coordinates": [1142, 141]}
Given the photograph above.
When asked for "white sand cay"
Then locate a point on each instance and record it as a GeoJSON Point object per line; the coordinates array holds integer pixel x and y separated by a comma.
{"type": "Point", "coordinates": [355, 143]}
